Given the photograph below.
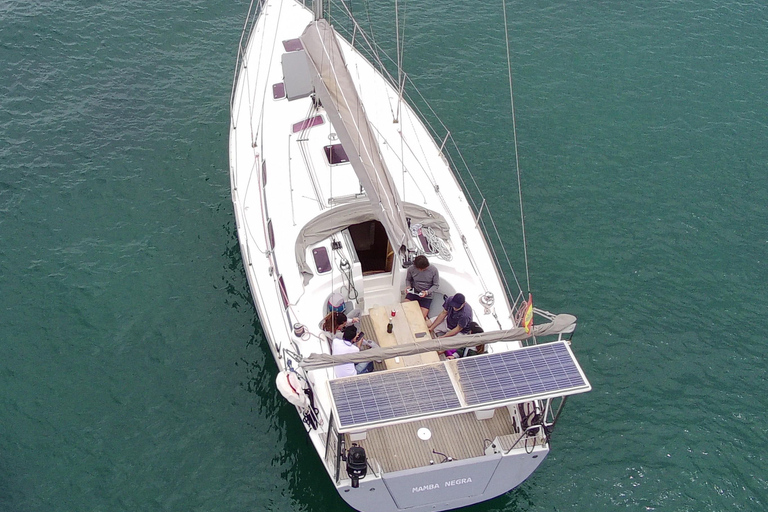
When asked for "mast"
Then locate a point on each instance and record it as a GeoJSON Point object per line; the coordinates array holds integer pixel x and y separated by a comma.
{"type": "Point", "coordinates": [317, 8]}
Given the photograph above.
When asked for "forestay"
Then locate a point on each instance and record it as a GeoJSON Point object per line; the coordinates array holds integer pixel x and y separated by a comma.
{"type": "Point", "coordinates": [456, 386]}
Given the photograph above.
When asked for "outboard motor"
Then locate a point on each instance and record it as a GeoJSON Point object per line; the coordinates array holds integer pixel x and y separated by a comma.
{"type": "Point", "coordinates": [357, 464]}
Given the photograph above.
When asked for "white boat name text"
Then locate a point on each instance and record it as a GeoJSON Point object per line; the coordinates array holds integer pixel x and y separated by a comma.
{"type": "Point", "coordinates": [449, 483]}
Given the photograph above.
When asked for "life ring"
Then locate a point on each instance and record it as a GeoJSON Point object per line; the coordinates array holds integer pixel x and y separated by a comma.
{"type": "Point", "coordinates": [292, 389]}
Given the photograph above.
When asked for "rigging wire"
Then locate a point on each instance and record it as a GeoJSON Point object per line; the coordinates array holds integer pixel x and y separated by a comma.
{"type": "Point", "coordinates": [399, 48]}
{"type": "Point", "coordinates": [400, 38]}
{"type": "Point", "coordinates": [400, 86]}
{"type": "Point", "coordinates": [464, 185]}
{"type": "Point", "coordinates": [371, 48]}
{"type": "Point", "coordinates": [514, 135]}
{"type": "Point", "coordinates": [375, 52]}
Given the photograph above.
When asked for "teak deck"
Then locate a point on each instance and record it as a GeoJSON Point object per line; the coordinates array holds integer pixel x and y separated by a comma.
{"type": "Point", "coordinates": [460, 436]}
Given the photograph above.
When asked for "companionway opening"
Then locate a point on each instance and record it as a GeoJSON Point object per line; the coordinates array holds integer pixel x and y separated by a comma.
{"type": "Point", "coordinates": [372, 246]}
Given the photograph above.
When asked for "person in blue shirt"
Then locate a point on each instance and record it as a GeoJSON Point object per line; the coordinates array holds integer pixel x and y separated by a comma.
{"type": "Point", "coordinates": [453, 319]}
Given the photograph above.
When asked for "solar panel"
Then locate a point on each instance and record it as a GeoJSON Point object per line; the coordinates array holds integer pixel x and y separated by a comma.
{"type": "Point", "coordinates": [388, 395]}
{"type": "Point", "coordinates": [549, 369]}
{"type": "Point", "coordinates": [396, 396]}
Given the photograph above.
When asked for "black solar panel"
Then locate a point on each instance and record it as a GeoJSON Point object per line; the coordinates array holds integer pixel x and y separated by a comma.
{"type": "Point", "coordinates": [531, 371]}
{"type": "Point", "coordinates": [384, 396]}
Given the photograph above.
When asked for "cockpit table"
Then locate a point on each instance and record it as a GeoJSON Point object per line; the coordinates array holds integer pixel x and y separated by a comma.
{"type": "Point", "coordinates": [408, 326]}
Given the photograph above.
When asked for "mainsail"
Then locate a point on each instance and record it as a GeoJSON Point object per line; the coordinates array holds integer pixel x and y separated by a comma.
{"type": "Point", "coordinates": [336, 90]}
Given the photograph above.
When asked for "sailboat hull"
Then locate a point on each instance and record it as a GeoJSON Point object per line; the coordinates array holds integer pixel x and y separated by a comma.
{"type": "Point", "coordinates": [445, 486]}
{"type": "Point", "coordinates": [311, 227]}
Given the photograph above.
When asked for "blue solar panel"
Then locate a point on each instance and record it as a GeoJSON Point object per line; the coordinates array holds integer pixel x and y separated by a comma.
{"type": "Point", "coordinates": [536, 372]}
{"type": "Point", "coordinates": [529, 372]}
{"type": "Point", "coordinates": [386, 395]}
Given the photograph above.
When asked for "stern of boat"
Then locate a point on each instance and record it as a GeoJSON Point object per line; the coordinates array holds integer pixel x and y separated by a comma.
{"type": "Point", "coordinates": [444, 486]}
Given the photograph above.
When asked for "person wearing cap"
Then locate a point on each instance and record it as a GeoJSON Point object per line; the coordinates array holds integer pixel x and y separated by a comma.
{"type": "Point", "coordinates": [336, 303]}
{"type": "Point", "coordinates": [349, 344]}
{"type": "Point", "coordinates": [421, 280]}
{"type": "Point", "coordinates": [453, 319]}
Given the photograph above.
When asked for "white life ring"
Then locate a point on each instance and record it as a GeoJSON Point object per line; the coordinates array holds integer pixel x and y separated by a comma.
{"type": "Point", "coordinates": [292, 389]}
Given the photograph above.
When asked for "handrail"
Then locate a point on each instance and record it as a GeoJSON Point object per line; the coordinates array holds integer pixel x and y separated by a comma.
{"type": "Point", "coordinates": [525, 435]}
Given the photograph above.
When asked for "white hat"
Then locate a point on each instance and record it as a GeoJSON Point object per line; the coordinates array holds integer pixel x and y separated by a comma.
{"type": "Point", "coordinates": [336, 302]}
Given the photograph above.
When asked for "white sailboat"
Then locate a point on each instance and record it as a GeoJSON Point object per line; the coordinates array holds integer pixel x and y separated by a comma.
{"type": "Point", "coordinates": [337, 185]}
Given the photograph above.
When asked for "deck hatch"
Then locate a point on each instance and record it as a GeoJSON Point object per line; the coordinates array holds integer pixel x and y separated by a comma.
{"type": "Point", "coordinates": [307, 123]}
{"type": "Point", "coordinates": [335, 154]}
{"type": "Point", "coordinates": [278, 91]}
{"type": "Point", "coordinates": [531, 371]}
{"type": "Point", "coordinates": [293, 45]}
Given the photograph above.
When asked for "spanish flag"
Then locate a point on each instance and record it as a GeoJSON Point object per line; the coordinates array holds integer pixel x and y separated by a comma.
{"type": "Point", "coordinates": [528, 317]}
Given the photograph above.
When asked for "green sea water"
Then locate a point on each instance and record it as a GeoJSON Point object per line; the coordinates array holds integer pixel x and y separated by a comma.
{"type": "Point", "coordinates": [133, 370]}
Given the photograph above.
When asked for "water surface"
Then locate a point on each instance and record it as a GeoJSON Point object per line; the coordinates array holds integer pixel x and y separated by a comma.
{"type": "Point", "coordinates": [134, 373]}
